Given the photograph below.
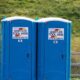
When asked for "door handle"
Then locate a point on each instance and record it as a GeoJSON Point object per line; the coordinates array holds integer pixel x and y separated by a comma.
{"type": "Point", "coordinates": [28, 55]}
{"type": "Point", "coordinates": [62, 56]}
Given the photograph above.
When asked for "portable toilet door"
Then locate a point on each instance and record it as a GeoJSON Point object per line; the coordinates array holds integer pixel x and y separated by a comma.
{"type": "Point", "coordinates": [19, 49]}
{"type": "Point", "coordinates": [54, 49]}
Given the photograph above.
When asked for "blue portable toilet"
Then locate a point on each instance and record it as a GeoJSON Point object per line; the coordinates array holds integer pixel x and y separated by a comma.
{"type": "Point", "coordinates": [54, 49]}
{"type": "Point", "coordinates": [19, 49]}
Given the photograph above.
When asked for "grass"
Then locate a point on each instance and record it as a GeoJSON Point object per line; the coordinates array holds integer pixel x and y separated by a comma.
{"type": "Point", "coordinates": [76, 48]}
{"type": "Point", "coordinates": [76, 44]}
{"type": "Point", "coordinates": [75, 79]}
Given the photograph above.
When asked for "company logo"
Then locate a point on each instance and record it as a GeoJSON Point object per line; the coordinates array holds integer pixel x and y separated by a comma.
{"type": "Point", "coordinates": [20, 33]}
{"type": "Point", "coordinates": [56, 33]}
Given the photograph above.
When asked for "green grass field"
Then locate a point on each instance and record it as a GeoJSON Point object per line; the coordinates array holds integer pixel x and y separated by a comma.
{"type": "Point", "coordinates": [76, 44]}
{"type": "Point", "coordinates": [75, 79]}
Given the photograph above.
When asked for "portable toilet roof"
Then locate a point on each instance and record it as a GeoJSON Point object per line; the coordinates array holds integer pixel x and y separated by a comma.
{"type": "Point", "coordinates": [40, 20]}
{"type": "Point", "coordinates": [17, 18]}
{"type": "Point", "coordinates": [53, 19]}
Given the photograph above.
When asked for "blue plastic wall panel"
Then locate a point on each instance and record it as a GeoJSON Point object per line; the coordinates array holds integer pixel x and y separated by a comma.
{"type": "Point", "coordinates": [54, 50]}
{"type": "Point", "coordinates": [19, 50]}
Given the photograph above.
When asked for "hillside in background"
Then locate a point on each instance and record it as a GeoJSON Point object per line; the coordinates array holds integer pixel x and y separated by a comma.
{"type": "Point", "coordinates": [69, 9]}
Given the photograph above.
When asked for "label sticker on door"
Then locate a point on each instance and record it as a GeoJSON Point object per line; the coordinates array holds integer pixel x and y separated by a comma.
{"type": "Point", "coordinates": [20, 33]}
{"type": "Point", "coordinates": [56, 33]}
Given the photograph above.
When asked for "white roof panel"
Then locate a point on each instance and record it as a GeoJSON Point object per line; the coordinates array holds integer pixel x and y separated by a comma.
{"type": "Point", "coordinates": [53, 19]}
{"type": "Point", "coordinates": [17, 18]}
{"type": "Point", "coordinates": [40, 20]}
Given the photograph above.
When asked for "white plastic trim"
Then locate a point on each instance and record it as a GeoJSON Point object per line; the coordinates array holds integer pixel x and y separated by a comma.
{"type": "Point", "coordinates": [40, 20]}
{"type": "Point", "coordinates": [53, 19]}
{"type": "Point", "coordinates": [17, 18]}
